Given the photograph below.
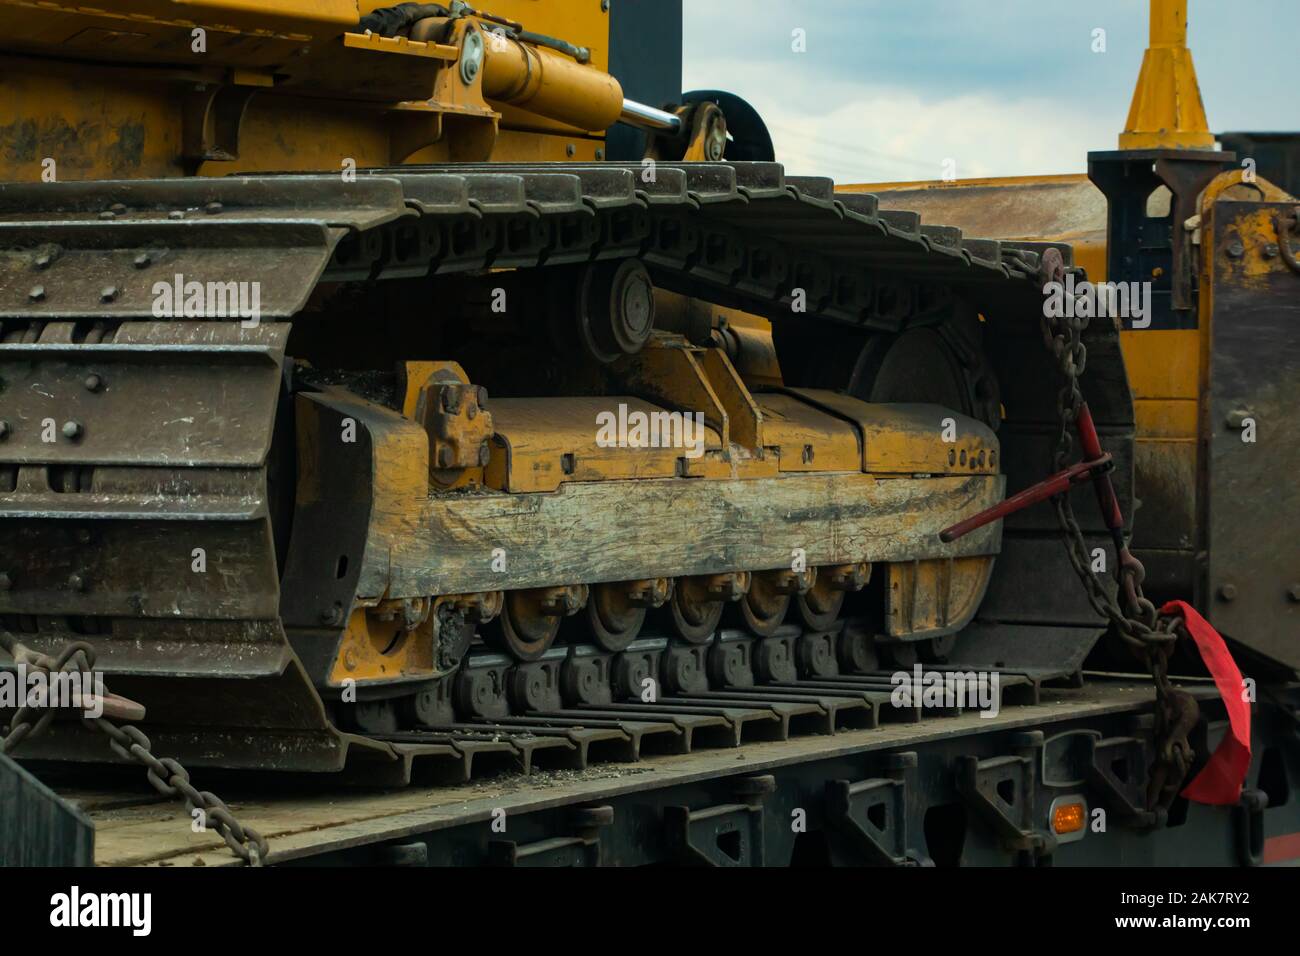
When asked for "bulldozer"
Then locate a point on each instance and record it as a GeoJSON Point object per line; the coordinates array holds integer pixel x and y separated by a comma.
{"type": "Point", "coordinates": [370, 374]}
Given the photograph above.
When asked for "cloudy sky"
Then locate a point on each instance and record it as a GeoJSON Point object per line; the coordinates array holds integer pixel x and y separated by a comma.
{"type": "Point", "coordinates": [889, 89]}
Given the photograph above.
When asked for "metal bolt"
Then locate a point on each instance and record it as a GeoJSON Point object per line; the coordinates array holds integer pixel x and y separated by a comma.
{"type": "Point", "coordinates": [77, 582]}
{"type": "Point", "coordinates": [108, 293]}
{"type": "Point", "coordinates": [952, 456]}
{"type": "Point", "coordinates": [600, 154]}
{"type": "Point", "coordinates": [1270, 251]}
{"type": "Point", "coordinates": [570, 150]}
{"type": "Point", "coordinates": [43, 260]}
{"type": "Point", "coordinates": [562, 601]}
{"type": "Point", "coordinates": [5, 581]}
{"type": "Point", "coordinates": [4, 429]}
{"type": "Point", "coordinates": [1236, 250]}
{"type": "Point", "coordinates": [213, 208]}
{"type": "Point", "coordinates": [855, 578]}
{"type": "Point", "coordinates": [650, 593]}
{"type": "Point", "coordinates": [37, 294]}
{"type": "Point", "coordinates": [108, 214]}
{"type": "Point", "coordinates": [1236, 418]}
{"type": "Point", "coordinates": [790, 582]}
{"type": "Point", "coordinates": [484, 454]}
{"type": "Point", "coordinates": [729, 587]}
{"type": "Point", "coordinates": [176, 214]}
{"type": "Point", "coordinates": [604, 6]}
{"type": "Point", "coordinates": [93, 382]}
{"type": "Point", "coordinates": [446, 457]}
{"type": "Point", "coordinates": [1293, 592]}
{"type": "Point", "coordinates": [72, 430]}
{"type": "Point", "coordinates": [471, 412]}
{"type": "Point", "coordinates": [482, 397]}
{"type": "Point", "coordinates": [717, 145]}
{"type": "Point", "coordinates": [118, 208]}
{"type": "Point", "coordinates": [1228, 592]}
{"type": "Point", "coordinates": [143, 259]}
{"type": "Point", "coordinates": [472, 51]}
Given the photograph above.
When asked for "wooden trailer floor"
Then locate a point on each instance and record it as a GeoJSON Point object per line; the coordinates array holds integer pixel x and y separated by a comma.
{"type": "Point", "coordinates": [134, 826]}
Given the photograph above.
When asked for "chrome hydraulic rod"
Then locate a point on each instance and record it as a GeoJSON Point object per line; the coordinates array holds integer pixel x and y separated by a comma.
{"type": "Point", "coordinates": [647, 117]}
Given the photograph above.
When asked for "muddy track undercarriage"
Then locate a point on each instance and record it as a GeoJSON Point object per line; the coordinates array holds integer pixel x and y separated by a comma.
{"type": "Point", "coordinates": [291, 563]}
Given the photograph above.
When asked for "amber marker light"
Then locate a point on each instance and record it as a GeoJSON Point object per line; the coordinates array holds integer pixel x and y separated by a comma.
{"type": "Point", "coordinates": [1068, 817]}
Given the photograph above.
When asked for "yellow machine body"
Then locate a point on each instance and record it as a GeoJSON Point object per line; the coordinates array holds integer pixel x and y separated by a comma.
{"type": "Point", "coordinates": [381, 514]}
{"type": "Point", "coordinates": [153, 89]}
{"type": "Point", "coordinates": [367, 537]}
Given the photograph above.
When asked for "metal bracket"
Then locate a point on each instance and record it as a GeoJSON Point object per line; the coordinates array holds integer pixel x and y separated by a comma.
{"type": "Point", "coordinates": [403, 854]}
{"type": "Point", "coordinates": [213, 115]}
{"type": "Point", "coordinates": [1186, 181]}
{"type": "Point", "coordinates": [872, 814]}
{"type": "Point", "coordinates": [729, 834]}
{"type": "Point", "coordinates": [38, 827]}
{"type": "Point", "coordinates": [1249, 819]}
{"type": "Point", "coordinates": [583, 849]}
{"type": "Point", "coordinates": [1137, 243]}
{"type": "Point", "coordinates": [1117, 770]}
{"type": "Point", "coordinates": [1001, 791]}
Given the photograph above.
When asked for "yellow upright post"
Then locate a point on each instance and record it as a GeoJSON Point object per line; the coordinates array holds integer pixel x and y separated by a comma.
{"type": "Point", "coordinates": [1167, 112]}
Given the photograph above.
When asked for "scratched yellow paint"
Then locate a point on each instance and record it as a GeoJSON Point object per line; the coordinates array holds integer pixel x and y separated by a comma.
{"type": "Point", "coordinates": [101, 121]}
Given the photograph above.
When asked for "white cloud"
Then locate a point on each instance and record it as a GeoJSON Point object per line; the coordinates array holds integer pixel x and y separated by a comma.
{"type": "Point", "coordinates": [887, 90]}
{"type": "Point", "coordinates": [871, 133]}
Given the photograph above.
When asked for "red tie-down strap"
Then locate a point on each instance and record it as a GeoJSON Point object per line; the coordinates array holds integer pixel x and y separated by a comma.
{"type": "Point", "coordinates": [1220, 780]}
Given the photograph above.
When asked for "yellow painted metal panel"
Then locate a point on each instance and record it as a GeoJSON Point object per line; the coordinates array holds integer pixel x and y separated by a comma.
{"type": "Point", "coordinates": [809, 440]}
{"type": "Point", "coordinates": [1167, 111]}
{"type": "Point", "coordinates": [1163, 363]}
{"type": "Point", "coordinates": [550, 441]}
{"type": "Point", "coordinates": [320, 11]}
{"type": "Point", "coordinates": [1166, 419]}
{"type": "Point", "coordinates": [910, 439]}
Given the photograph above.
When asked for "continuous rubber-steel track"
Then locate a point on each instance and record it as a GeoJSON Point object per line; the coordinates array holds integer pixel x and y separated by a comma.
{"type": "Point", "coordinates": [163, 430]}
{"type": "Point", "coordinates": [742, 231]}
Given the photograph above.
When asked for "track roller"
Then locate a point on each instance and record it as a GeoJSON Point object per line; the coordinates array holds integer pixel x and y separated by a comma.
{"type": "Point", "coordinates": [617, 610]}
{"type": "Point", "coordinates": [820, 605]}
{"type": "Point", "coordinates": [370, 716]}
{"type": "Point", "coordinates": [530, 619]}
{"type": "Point", "coordinates": [697, 603]}
{"type": "Point", "coordinates": [763, 608]}
{"type": "Point", "coordinates": [606, 309]}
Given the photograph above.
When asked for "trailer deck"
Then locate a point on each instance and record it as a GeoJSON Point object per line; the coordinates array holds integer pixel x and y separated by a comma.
{"type": "Point", "coordinates": [748, 804]}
